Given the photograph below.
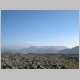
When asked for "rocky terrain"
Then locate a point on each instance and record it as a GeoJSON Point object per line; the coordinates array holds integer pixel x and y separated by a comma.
{"type": "Point", "coordinates": [39, 61]}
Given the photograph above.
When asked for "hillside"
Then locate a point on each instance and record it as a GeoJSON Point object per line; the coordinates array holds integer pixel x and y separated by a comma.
{"type": "Point", "coordinates": [39, 61]}
{"type": "Point", "coordinates": [74, 50]}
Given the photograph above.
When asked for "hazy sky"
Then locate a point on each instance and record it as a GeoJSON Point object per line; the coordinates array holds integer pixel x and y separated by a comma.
{"type": "Point", "coordinates": [22, 28]}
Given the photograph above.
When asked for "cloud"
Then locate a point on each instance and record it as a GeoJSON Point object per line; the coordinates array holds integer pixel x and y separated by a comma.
{"type": "Point", "coordinates": [31, 42]}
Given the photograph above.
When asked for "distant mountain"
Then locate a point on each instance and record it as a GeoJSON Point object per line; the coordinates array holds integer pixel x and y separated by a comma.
{"type": "Point", "coordinates": [51, 50]}
{"type": "Point", "coordinates": [56, 47]}
{"type": "Point", "coordinates": [40, 50]}
{"type": "Point", "coordinates": [61, 47]}
{"type": "Point", "coordinates": [33, 49]}
{"type": "Point", "coordinates": [44, 49]}
{"type": "Point", "coordinates": [74, 50]}
{"type": "Point", "coordinates": [8, 50]}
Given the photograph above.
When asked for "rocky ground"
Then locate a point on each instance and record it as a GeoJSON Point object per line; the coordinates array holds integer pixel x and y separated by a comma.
{"type": "Point", "coordinates": [39, 61]}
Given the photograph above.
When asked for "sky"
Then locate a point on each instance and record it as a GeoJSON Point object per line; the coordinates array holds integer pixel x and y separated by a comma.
{"type": "Point", "coordinates": [24, 28]}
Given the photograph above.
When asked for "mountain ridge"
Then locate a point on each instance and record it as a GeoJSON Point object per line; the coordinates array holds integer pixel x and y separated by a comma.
{"type": "Point", "coordinates": [45, 49]}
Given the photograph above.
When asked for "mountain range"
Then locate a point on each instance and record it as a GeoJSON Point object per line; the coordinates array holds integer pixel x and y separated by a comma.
{"type": "Point", "coordinates": [44, 49]}
{"type": "Point", "coordinates": [74, 50]}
